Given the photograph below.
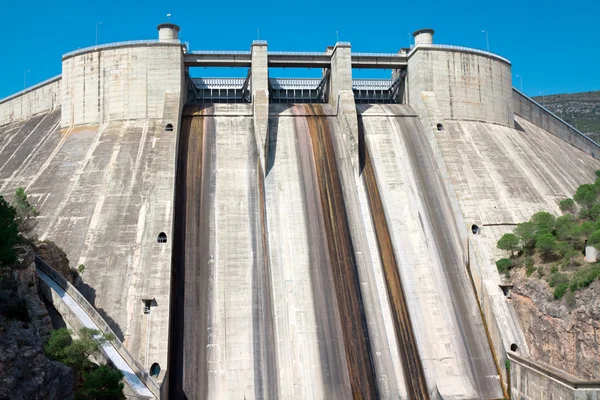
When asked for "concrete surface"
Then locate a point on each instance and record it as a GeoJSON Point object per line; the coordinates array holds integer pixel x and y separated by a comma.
{"type": "Point", "coordinates": [120, 83]}
{"type": "Point", "coordinates": [455, 352]}
{"type": "Point", "coordinates": [104, 193]}
{"type": "Point", "coordinates": [468, 86]}
{"type": "Point", "coordinates": [227, 346]}
{"type": "Point", "coordinates": [41, 98]}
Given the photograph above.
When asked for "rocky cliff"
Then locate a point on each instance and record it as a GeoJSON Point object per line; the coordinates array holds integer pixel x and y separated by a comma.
{"type": "Point", "coordinates": [25, 372]}
{"type": "Point", "coordinates": [563, 333]}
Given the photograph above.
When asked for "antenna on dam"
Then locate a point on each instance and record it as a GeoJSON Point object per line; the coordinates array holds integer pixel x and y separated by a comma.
{"type": "Point", "coordinates": [423, 36]}
{"type": "Point", "coordinates": [168, 32]}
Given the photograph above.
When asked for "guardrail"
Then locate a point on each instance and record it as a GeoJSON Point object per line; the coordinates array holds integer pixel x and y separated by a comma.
{"type": "Point", "coordinates": [457, 48]}
{"type": "Point", "coordinates": [386, 55]}
{"type": "Point", "coordinates": [220, 52]}
{"type": "Point", "coordinates": [371, 84]}
{"type": "Point", "coordinates": [554, 373]}
{"type": "Point", "coordinates": [150, 383]}
{"type": "Point", "coordinates": [555, 116]}
{"type": "Point", "coordinates": [31, 88]}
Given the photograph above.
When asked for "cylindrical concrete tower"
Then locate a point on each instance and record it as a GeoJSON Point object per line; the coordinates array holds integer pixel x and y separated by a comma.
{"type": "Point", "coordinates": [423, 36]}
{"type": "Point", "coordinates": [168, 32]}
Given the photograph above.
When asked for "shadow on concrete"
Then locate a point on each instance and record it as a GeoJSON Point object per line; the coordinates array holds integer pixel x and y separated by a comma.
{"type": "Point", "coordinates": [90, 295]}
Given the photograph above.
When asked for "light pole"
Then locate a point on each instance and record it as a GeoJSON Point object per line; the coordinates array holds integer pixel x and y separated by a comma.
{"type": "Point", "coordinates": [487, 39]}
{"type": "Point", "coordinates": [25, 78]}
{"type": "Point", "coordinates": [409, 40]}
{"type": "Point", "coordinates": [97, 24]}
{"type": "Point", "coordinates": [337, 36]}
{"type": "Point", "coordinates": [521, 79]}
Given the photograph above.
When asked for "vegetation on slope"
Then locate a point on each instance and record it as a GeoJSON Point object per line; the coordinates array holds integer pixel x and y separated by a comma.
{"type": "Point", "coordinates": [92, 382]}
{"type": "Point", "coordinates": [581, 110]}
{"type": "Point", "coordinates": [554, 247]}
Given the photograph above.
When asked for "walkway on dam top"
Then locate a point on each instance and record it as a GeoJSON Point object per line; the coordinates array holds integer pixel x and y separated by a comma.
{"type": "Point", "coordinates": [108, 348]}
{"type": "Point", "coordinates": [277, 59]}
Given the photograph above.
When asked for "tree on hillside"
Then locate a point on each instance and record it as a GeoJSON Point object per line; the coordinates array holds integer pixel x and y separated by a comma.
{"type": "Point", "coordinates": [509, 242]}
{"type": "Point", "coordinates": [526, 233]}
{"type": "Point", "coordinates": [74, 353]}
{"type": "Point", "coordinates": [585, 195]}
{"type": "Point", "coordinates": [546, 244]}
{"type": "Point", "coordinates": [567, 205]}
{"type": "Point", "coordinates": [26, 213]}
{"type": "Point", "coordinates": [104, 383]}
{"type": "Point", "coordinates": [595, 212]}
{"type": "Point", "coordinates": [594, 239]}
{"type": "Point", "coordinates": [543, 221]}
{"type": "Point", "coordinates": [9, 233]}
{"type": "Point", "coordinates": [587, 228]}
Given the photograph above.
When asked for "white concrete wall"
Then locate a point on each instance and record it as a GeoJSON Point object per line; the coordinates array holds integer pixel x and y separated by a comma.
{"type": "Point", "coordinates": [119, 83]}
{"type": "Point", "coordinates": [37, 99]}
{"type": "Point", "coordinates": [468, 85]}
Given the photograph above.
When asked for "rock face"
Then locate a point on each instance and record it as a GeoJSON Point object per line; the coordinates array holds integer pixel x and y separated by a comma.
{"type": "Point", "coordinates": [25, 372]}
{"type": "Point", "coordinates": [563, 335]}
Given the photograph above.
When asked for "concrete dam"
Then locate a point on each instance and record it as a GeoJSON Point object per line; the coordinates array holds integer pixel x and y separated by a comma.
{"type": "Point", "coordinates": [296, 238]}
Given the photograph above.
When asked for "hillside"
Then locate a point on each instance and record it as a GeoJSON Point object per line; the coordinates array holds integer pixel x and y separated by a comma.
{"type": "Point", "coordinates": [579, 109]}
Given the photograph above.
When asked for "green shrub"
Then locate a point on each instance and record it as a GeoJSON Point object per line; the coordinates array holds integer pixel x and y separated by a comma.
{"type": "Point", "coordinates": [509, 242]}
{"type": "Point", "coordinates": [554, 269]}
{"type": "Point", "coordinates": [541, 271]}
{"type": "Point", "coordinates": [530, 270]}
{"type": "Point", "coordinates": [9, 233]}
{"type": "Point", "coordinates": [567, 205]}
{"type": "Point", "coordinates": [560, 289]}
{"type": "Point", "coordinates": [582, 279]}
{"type": "Point", "coordinates": [557, 278]}
{"type": "Point", "coordinates": [503, 265]}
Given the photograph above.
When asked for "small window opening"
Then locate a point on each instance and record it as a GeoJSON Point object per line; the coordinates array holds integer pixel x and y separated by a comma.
{"type": "Point", "coordinates": [514, 347]}
{"type": "Point", "coordinates": [169, 128]}
{"type": "Point", "coordinates": [162, 238]}
{"type": "Point", "coordinates": [147, 305]}
{"type": "Point", "coordinates": [475, 229]}
{"type": "Point", "coordinates": [440, 127]}
{"type": "Point", "coordinates": [154, 370]}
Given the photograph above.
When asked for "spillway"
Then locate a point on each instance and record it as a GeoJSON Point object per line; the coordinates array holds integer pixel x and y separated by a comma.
{"type": "Point", "coordinates": [226, 345]}
{"type": "Point", "coordinates": [454, 348]}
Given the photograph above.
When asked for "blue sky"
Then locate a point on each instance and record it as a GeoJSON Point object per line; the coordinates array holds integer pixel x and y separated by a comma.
{"type": "Point", "coordinates": [553, 45]}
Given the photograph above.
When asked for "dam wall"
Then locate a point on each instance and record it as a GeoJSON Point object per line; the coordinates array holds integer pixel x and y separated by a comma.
{"type": "Point", "coordinates": [41, 98]}
{"type": "Point", "coordinates": [527, 108]}
{"type": "Point", "coordinates": [468, 84]}
{"type": "Point", "coordinates": [120, 81]}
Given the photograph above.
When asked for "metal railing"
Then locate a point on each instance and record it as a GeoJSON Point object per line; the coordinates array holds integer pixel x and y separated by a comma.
{"type": "Point", "coordinates": [297, 53]}
{"type": "Point", "coordinates": [218, 83]}
{"type": "Point", "coordinates": [220, 52]}
{"type": "Point", "coordinates": [390, 55]}
{"type": "Point", "coordinates": [294, 83]}
{"type": "Point", "coordinates": [31, 88]}
{"type": "Point", "coordinates": [372, 84]}
{"type": "Point", "coordinates": [556, 117]}
{"type": "Point", "coordinates": [116, 44]}
{"type": "Point", "coordinates": [458, 48]}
